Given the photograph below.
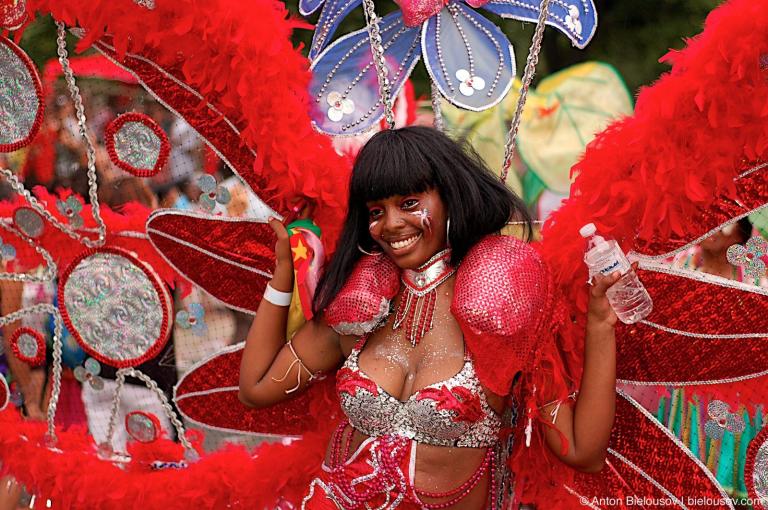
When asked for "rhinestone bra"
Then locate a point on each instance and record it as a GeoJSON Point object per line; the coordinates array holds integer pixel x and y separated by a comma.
{"type": "Point", "coordinates": [453, 412]}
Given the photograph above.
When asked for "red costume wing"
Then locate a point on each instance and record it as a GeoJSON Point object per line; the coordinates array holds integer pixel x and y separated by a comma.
{"type": "Point", "coordinates": [208, 395]}
{"type": "Point", "coordinates": [229, 258]}
{"type": "Point", "coordinates": [644, 467]}
{"type": "Point", "coordinates": [695, 320]}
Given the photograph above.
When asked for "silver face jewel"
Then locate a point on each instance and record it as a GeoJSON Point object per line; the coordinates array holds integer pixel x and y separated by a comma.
{"type": "Point", "coordinates": [19, 103]}
{"type": "Point", "coordinates": [137, 145]}
{"type": "Point", "coordinates": [113, 306]}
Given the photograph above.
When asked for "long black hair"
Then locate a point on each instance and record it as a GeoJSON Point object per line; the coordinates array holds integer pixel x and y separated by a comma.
{"type": "Point", "coordinates": [414, 160]}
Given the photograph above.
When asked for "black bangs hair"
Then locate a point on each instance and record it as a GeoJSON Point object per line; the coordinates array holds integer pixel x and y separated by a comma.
{"type": "Point", "coordinates": [413, 160]}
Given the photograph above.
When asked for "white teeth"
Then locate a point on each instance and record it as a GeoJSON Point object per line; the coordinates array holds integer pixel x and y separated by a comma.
{"type": "Point", "coordinates": [398, 245]}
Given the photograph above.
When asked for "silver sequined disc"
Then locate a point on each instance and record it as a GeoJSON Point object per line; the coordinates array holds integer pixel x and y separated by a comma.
{"type": "Point", "coordinates": [5, 393]}
{"type": "Point", "coordinates": [114, 307]}
{"type": "Point", "coordinates": [18, 98]}
{"type": "Point", "coordinates": [137, 145]}
{"type": "Point", "coordinates": [760, 474]}
{"type": "Point", "coordinates": [29, 222]}
{"type": "Point", "coordinates": [27, 345]}
{"type": "Point", "coordinates": [13, 13]}
{"type": "Point", "coordinates": [140, 427]}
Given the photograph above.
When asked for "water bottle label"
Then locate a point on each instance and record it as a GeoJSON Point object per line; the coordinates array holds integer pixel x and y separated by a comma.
{"type": "Point", "coordinates": [620, 264]}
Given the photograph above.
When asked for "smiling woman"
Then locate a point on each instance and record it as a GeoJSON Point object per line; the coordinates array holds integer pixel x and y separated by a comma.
{"type": "Point", "coordinates": [441, 333]}
{"type": "Point", "coordinates": [399, 174]}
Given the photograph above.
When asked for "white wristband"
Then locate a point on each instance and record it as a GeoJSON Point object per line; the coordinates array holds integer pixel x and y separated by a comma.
{"type": "Point", "coordinates": [276, 297]}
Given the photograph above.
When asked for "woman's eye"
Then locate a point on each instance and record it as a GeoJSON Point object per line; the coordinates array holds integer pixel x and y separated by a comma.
{"type": "Point", "coordinates": [410, 203]}
{"type": "Point", "coordinates": [374, 214]}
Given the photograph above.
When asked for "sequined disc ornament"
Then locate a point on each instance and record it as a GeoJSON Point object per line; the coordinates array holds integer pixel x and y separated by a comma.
{"type": "Point", "coordinates": [137, 144]}
{"type": "Point", "coordinates": [417, 304]}
{"type": "Point", "coordinates": [13, 14]}
{"type": "Point", "coordinates": [21, 105]}
{"type": "Point", "coordinates": [142, 427]}
{"type": "Point", "coordinates": [28, 345]}
{"type": "Point", "coordinates": [5, 393]}
{"type": "Point", "coordinates": [29, 222]}
{"type": "Point", "coordinates": [756, 470]}
{"type": "Point", "coordinates": [116, 307]}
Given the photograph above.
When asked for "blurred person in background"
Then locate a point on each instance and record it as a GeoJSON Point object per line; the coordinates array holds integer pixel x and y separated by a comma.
{"type": "Point", "coordinates": [711, 254]}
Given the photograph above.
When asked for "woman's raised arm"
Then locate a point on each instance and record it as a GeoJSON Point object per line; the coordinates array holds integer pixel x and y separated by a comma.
{"type": "Point", "coordinates": [587, 426]}
{"type": "Point", "coordinates": [271, 369]}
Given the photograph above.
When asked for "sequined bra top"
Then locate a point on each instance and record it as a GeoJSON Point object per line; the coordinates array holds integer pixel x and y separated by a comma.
{"type": "Point", "coordinates": [453, 412]}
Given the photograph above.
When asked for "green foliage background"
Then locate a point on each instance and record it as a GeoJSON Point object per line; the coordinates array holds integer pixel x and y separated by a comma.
{"type": "Point", "coordinates": [632, 35]}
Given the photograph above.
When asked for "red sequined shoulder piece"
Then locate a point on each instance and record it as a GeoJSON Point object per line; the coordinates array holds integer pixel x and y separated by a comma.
{"type": "Point", "coordinates": [502, 296]}
{"type": "Point", "coordinates": [364, 299]}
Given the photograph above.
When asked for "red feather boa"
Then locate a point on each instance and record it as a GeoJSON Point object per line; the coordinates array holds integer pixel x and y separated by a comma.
{"type": "Point", "coordinates": [238, 55]}
{"type": "Point", "coordinates": [691, 134]}
{"type": "Point", "coordinates": [74, 477]}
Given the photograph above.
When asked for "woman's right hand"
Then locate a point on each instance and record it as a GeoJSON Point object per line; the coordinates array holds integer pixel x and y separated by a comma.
{"type": "Point", "coordinates": [283, 276]}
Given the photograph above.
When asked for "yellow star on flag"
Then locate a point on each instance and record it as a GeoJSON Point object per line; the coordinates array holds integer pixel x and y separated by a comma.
{"type": "Point", "coordinates": [299, 251]}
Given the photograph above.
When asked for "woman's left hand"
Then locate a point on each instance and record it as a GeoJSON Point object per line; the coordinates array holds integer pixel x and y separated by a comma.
{"type": "Point", "coordinates": [599, 311]}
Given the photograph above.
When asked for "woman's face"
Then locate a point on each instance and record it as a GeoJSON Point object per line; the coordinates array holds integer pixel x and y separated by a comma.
{"type": "Point", "coordinates": [409, 228]}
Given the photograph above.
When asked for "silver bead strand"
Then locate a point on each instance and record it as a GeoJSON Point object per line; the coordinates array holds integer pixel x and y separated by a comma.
{"type": "Point", "coordinates": [61, 43]}
{"type": "Point", "coordinates": [530, 70]}
{"type": "Point", "coordinates": [191, 453]}
{"type": "Point", "coordinates": [106, 446]}
{"type": "Point", "coordinates": [437, 107]}
{"type": "Point", "coordinates": [380, 64]}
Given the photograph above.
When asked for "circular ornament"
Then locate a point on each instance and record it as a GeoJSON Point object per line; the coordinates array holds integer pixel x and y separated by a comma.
{"type": "Point", "coordinates": [142, 426]}
{"type": "Point", "coordinates": [29, 346]}
{"type": "Point", "coordinates": [29, 222]}
{"type": "Point", "coordinates": [115, 306]}
{"type": "Point", "coordinates": [21, 98]}
{"type": "Point", "coordinates": [756, 470]}
{"type": "Point", "coordinates": [5, 393]}
{"type": "Point", "coordinates": [137, 144]}
{"type": "Point", "coordinates": [13, 14]}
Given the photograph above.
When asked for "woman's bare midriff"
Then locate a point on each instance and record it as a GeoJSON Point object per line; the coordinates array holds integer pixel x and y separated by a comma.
{"type": "Point", "coordinates": [439, 469]}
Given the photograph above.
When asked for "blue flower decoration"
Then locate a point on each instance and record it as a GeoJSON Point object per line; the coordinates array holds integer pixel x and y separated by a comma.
{"type": "Point", "coordinates": [192, 318]}
{"type": "Point", "coordinates": [333, 13]}
{"type": "Point", "coordinates": [211, 193]}
{"type": "Point", "coordinates": [467, 56]}
{"type": "Point", "coordinates": [71, 209]}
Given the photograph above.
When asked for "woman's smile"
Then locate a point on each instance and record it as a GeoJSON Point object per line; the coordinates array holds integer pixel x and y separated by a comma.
{"type": "Point", "coordinates": [402, 246]}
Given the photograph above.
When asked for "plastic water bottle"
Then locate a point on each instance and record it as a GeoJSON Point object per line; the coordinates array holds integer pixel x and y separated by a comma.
{"type": "Point", "coordinates": [627, 296]}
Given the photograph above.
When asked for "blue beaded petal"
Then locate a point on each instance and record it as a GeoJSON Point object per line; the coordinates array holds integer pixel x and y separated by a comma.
{"type": "Point", "coordinates": [345, 69]}
{"type": "Point", "coordinates": [307, 7]}
{"type": "Point", "coordinates": [333, 13]}
{"type": "Point", "coordinates": [560, 16]}
{"type": "Point", "coordinates": [458, 40]}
